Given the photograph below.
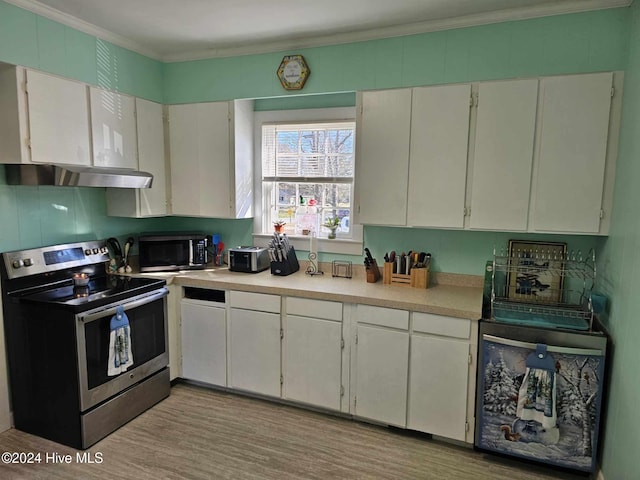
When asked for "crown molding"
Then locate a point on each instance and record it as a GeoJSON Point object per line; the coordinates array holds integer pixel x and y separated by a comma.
{"type": "Point", "coordinates": [512, 14]}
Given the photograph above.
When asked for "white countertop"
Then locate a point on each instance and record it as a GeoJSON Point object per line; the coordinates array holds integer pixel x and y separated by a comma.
{"type": "Point", "coordinates": [462, 300]}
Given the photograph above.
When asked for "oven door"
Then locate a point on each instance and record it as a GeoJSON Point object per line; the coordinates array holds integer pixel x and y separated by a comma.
{"type": "Point", "coordinates": [147, 316]}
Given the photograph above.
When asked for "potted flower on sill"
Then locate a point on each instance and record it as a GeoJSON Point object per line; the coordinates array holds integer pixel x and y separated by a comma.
{"type": "Point", "coordinates": [332, 224]}
{"type": "Point", "coordinates": [278, 226]}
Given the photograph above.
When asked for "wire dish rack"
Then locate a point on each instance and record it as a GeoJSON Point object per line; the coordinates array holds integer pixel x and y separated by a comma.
{"type": "Point", "coordinates": [542, 288]}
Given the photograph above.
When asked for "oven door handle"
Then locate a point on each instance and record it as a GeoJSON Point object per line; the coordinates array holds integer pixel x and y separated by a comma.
{"type": "Point", "coordinates": [550, 348]}
{"type": "Point", "coordinates": [127, 305]}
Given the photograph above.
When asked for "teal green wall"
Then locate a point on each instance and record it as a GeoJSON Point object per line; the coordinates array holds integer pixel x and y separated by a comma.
{"type": "Point", "coordinates": [458, 251]}
{"type": "Point", "coordinates": [328, 100]}
{"type": "Point", "coordinates": [620, 267]}
{"type": "Point", "coordinates": [584, 42]}
{"type": "Point", "coordinates": [33, 41]}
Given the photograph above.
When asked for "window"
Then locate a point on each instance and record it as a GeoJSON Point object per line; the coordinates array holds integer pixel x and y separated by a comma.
{"type": "Point", "coordinates": [307, 176]}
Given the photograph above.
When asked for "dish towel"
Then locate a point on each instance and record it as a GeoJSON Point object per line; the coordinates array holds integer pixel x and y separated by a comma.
{"type": "Point", "coordinates": [537, 397]}
{"type": "Point", "coordinates": [120, 354]}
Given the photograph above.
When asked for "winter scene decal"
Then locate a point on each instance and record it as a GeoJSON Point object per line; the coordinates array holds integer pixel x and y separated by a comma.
{"type": "Point", "coordinates": [548, 414]}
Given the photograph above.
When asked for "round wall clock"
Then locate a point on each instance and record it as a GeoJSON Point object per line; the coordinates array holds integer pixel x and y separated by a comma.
{"type": "Point", "coordinates": [293, 72]}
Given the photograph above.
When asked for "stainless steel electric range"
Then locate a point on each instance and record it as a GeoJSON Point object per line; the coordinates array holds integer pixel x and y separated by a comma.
{"type": "Point", "coordinates": [58, 305]}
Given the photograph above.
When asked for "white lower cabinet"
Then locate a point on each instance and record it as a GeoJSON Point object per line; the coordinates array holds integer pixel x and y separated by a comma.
{"type": "Point", "coordinates": [204, 349]}
{"type": "Point", "coordinates": [439, 367]}
{"type": "Point", "coordinates": [254, 343]}
{"type": "Point", "coordinates": [312, 353]}
{"type": "Point", "coordinates": [381, 369]}
{"type": "Point", "coordinates": [438, 386]}
{"type": "Point", "coordinates": [406, 369]}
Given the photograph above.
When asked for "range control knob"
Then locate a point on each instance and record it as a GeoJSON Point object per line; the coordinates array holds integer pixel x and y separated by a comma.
{"type": "Point", "coordinates": [87, 251]}
{"type": "Point", "coordinates": [28, 262]}
{"type": "Point", "coordinates": [17, 263]}
{"type": "Point", "coordinates": [95, 251]}
{"type": "Point", "coordinates": [104, 250]}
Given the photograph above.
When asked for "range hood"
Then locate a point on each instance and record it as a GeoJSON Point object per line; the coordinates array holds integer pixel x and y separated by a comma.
{"type": "Point", "coordinates": [70, 176]}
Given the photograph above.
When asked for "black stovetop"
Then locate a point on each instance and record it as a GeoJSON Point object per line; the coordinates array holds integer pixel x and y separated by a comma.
{"type": "Point", "coordinates": [100, 291]}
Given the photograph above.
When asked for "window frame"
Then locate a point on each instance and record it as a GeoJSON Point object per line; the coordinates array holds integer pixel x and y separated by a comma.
{"type": "Point", "coordinates": [349, 246]}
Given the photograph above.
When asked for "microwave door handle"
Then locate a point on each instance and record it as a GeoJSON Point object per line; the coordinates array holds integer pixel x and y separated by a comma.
{"type": "Point", "coordinates": [143, 300]}
{"type": "Point", "coordinates": [191, 257]}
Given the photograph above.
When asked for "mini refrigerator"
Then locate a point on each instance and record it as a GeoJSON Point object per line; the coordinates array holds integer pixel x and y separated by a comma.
{"type": "Point", "coordinates": [539, 394]}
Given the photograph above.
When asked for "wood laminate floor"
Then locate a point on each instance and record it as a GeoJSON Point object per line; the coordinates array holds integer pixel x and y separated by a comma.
{"type": "Point", "coordinates": [201, 434]}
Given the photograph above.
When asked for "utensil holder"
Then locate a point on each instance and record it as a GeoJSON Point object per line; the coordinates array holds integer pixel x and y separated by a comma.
{"type": "Point", "coordinates": [286, 267]}
{"type": "Point", "coordinates": [417, 278]}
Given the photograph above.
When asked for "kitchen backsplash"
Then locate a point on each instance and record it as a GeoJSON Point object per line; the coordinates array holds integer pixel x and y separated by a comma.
{"type": "Point", "coordinates": [37, 216]}
{"type": "Point", "coordinates": [455, 251]}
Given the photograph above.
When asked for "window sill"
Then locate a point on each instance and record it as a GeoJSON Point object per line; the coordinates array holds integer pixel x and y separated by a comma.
{"type": "Point", "coordinates": [344, 246]}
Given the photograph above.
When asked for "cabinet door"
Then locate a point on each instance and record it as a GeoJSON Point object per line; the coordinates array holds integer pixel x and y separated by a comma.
{"type": "Point", "coordinates": [382, 358]}
{"type": "Point", "coordinates": [438, 386]}
{"type": "Point", "coordinates": [152, 201]}
{"type": "Point", "coordinates": [382, 157]}
{"type": "Point", "coordinates": [144, 202]}
{"type": "Point", "coordinates": [312, 361]}
{"type": "Point", "coordinates": [204, 351]}
{"type": "Point", "coordinates": [58, 120]}
{"type": "Point", "coordinates": [200, 159]}
{"type": "Point", "coordinates": [113, 125]}
{"type": "Point", "coordinates": [503, 155]}
{"type": "Point", "coordinates": [438, 158]}
{"type": "Point", "coordinates": [573, 149]}
{"type": "Point", "coordinates": [255, 351]}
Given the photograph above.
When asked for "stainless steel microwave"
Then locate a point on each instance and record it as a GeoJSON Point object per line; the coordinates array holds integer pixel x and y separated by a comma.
{"type": "Point", "coordinates": [166, 252]}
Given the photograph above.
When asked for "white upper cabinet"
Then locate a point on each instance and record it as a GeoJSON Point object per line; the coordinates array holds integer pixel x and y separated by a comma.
{"type": "Point", "coordinates": [382, 156]}
{"type": "Point", "coordinates": [438, 156]}
{"type": "Point", "coordinates": [211, 159]}
{"type": "Point", "coordinates": [145, 202]}
{"type": "Point", "coordinates": [534, 155]}
{"type": "Point", "coordinates": [503, 157]}
{"type": "Point", "coordinates": [569, 181]}
{"type": "Point", "coordinates": [43, 118]}
{"type": "Point", "coordinates": [113, 125]}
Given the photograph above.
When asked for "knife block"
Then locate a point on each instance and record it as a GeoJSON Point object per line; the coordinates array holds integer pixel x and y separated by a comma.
{"type": "Point", "coordinates": [373, 273]}
{"type": "Point", "coordinates": [417, 278]}
{"type": "Point", "coordinates": [288, 266]}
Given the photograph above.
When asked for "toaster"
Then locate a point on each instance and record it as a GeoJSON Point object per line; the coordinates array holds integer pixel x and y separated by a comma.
{"type": "Point", "coordinates": [248, 259]}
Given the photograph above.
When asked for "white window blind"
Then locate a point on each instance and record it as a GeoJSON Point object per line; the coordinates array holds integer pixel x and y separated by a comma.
{"type": "Point", "coordinates": [307, 175]}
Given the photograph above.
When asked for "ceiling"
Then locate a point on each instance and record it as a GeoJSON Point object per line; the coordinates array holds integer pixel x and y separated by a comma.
{"type": "Point", "coordinates": [186, 29]}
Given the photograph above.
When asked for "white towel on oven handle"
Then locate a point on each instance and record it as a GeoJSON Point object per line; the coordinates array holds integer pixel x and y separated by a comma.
{"type": "Point", "coordinates": [120, 353]}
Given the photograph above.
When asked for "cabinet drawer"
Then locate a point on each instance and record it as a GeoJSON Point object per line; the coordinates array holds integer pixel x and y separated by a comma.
{"type": "Point", "coordinates": [441, 325]}
{"type": "Point", "coordinates": [384, 317]}
{"type": "Point", "coordinates": [261, 302]}
{"type": "Point", "coordinates": [314, 308]}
